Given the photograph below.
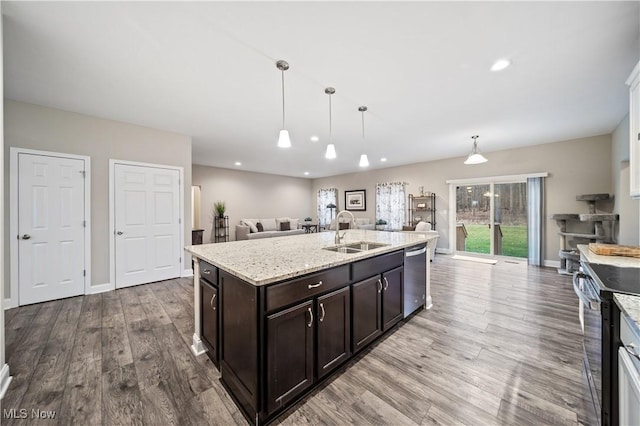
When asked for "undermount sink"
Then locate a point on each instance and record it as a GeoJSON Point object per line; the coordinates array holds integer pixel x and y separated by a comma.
{"type": "Point", "coordinates": [355, 247]}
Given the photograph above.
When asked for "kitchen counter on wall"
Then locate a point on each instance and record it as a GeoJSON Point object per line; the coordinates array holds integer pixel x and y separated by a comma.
{"type": "Point", "coordinates": [630, 306]}
{"type": "Point", "coordinates": [265, 261]}
{"type": "Point", "coordinates": [620, 261]}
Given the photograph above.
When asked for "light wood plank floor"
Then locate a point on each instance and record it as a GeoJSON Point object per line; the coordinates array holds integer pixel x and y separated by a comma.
{"type": "Point", "coordinates": [501, 345]}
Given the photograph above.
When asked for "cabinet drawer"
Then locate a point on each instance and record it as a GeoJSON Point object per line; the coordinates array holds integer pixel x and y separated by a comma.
{"type": "Point", "coordinates": [376, 265]}
{"type": "Point", "coordinates": [208, 272]}
{"type": "Point", "coordinates": [308, 286]}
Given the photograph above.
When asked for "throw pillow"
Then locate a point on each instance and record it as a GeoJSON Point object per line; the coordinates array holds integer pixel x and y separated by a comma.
{"type": "Point", "coordinates": [251, 225]}
{"type": "Point", "coordinates": [259, 227]}
{"type": "Point", "coordinates": [269, 224]}
{"type": "Point", "coordinates": [344, 225]}
{"type": "Point", "coordinates": [285, 226]}
{"type": "Point", "coordinates": [293, 223]}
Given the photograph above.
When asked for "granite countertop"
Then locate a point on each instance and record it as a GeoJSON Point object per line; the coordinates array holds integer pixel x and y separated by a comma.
{"type": "Point", "coordinates": [620, 261]}
{"type": "Point", "coordinates": [630, 306]}
{"type": "Point", "coordinates": [268, 260]}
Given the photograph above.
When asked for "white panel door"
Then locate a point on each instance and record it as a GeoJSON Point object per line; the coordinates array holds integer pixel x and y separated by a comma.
{"type": "Point", "coordinates": [51, 227]}
{"type": "Point", "coordinates": [147, 224]}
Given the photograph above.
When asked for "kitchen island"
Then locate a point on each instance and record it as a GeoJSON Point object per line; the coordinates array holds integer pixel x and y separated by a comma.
{"type": "Point", "coordinates": [280, 315]}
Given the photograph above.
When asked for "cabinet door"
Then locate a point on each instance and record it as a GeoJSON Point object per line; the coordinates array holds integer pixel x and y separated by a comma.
{"type": "Point", "coordinates": [289, 354]}
{"type": "Point", "coordinates": [392, 297]}
{"type": "Point", "coordinates": [209, 309]}
{"type": "Point", "coordinates": [334, 330]}
{"type": "Point", "coordinates": [367, 323]}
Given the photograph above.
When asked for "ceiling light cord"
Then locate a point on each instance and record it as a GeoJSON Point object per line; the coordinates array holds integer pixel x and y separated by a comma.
{"type": "Point", "coordinates": [283, 126]}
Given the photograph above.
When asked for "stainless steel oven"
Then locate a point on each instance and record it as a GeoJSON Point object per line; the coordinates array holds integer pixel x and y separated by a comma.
{"type": "Point", "coordinates": [590, 316]}
{"type": "Point", "coordinates": [595, 284]}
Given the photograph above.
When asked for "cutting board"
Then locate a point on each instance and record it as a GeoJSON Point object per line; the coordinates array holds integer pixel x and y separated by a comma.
{"type": "Point", "coordinates": [614, 250]}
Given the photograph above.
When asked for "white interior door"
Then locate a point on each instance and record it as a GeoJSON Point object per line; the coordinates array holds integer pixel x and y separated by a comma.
{"type": "Point", "coordinates": [147, 224]}
{"type": "Point", "coordinates": [51, 227]}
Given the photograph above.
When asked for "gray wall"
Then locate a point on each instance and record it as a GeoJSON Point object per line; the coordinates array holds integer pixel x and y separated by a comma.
{"type": "Point", "coordinates": [580, 166]}
{"type": "Point", "coordinates": [625, 206]}
{"type": "Point", "coordinates": [36, 127]}
{"type": "Point", "coordinates": [250, 195]}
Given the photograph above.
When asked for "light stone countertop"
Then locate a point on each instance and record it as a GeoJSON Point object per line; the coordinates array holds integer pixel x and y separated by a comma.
{"type": "Point", "coordinates": [268, 260]}
{"type": "Point", "coordinates": [630, 306]}
{"type": "Point", "coordinates": [620, 261]}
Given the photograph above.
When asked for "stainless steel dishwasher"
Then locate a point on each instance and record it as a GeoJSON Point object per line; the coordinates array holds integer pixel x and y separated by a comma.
{"type": "Point", "coordinates": [415, 278]}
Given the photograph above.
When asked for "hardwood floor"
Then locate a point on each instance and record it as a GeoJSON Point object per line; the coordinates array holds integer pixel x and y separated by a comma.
{"type": "Point", "coordinates": [501, 345]}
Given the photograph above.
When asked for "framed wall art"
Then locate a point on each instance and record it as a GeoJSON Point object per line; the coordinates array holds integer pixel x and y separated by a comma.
{"type": "Point", "coordinates": [355, 200]}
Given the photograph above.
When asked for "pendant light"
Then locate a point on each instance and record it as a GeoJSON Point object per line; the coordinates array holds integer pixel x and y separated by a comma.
{"type": "Point", "coordinates": [331, 148]}
{"type": "Point", "coordinates": [475, 157]}
{"type": "Point", "coordinates": [364, 160]}
{"type": "Point", "coordinates": [283, 139]}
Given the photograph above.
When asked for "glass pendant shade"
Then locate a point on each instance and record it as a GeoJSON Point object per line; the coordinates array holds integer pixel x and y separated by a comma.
{"type": "Point", "coordinates": [331, 151]}
{"type": "Point", "coordinates": [475, 157]}
{"type": "Point", "coordinates": [364, 161]}
{"type": "Point", "coordinates": [283, 139]}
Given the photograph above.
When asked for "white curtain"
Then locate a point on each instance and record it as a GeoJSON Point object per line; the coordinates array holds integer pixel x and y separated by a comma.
{"type": "Point", "coordinates": [391, 204]}
{"type": "Point", "coordinates": [327, 196]}
{"type": "Point", "coordinates": [535, 213]}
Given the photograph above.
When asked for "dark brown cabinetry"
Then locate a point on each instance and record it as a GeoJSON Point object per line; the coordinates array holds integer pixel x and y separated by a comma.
{"type": "Point", "coordinates": [292, 352]}
{"type": "Point", "coordinates": [209, 305]}
{"type": "Point", "coordinates": [377, 306]}
{"type": "Point", "coordinates": [392, 298]}
{"type": "Point", "coordinates": [334, 330]}
{"type": "Point", "coordinates": [367, 324]}
{"type": "Point", "coordinates": [289, 354]}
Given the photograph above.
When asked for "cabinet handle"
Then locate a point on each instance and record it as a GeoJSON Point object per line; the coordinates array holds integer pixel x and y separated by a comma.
{"type": "Point", "coordinates": [321, 312]}
{"type": "Point", "coordinates": [211, 302]}
{"type": "Point", "coordinates": [386, 283]}
{"type": "Point", "coordinates": [379, 286]}
{"type": "Point", "coordinates": [310, 323]}
{"type": "Point", "coordinates": [630, 350]}
{"type": "Point", "coordinates": [310, 286]}
{"type": "Point", "coordinates": [206, 271]}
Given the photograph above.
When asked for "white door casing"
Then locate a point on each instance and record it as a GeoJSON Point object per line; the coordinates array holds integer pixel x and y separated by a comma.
{"type": "Point", "coordinates": [147, 236]}
{"type": "Point", "coordinates": [50, 228]}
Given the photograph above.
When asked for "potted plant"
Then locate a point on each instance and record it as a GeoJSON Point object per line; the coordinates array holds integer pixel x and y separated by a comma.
{"type": "Point", "coordinates": [381, 224]}
{"type": "Point", "coordinates": [307, 219]}
{"type": "Point", "coordinates": [219, 208]}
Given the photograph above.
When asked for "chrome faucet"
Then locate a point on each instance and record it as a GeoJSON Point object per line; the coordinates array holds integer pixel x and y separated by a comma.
{"type": "Point", "coordinates": [338, 238]}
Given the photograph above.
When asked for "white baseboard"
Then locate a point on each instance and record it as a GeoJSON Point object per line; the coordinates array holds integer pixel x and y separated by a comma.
{"type": "Point", "coordinates": [197, 347]}
{"type": "Point", "coordinates": [100, 288]}
{"type": "Point", "coordinates": [5, 379]}
{"type": "Point", "coordinates": [443, 250]}
{"type": "Point", "coordinates": [10, 303]}
{"type": "Point", "coordinates": [187, 273]}
{"type": "Point", "coordinates": [551, 263]}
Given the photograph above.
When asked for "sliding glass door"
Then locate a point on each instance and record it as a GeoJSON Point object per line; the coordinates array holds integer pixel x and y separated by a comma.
{"type": "Point", "coordinates": [491, 218]}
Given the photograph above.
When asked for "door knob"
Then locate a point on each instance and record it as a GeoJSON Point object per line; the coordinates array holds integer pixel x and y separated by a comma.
{"type": "Point", "coordinates": [119, 232]}
{"type": "Point", "coordinates": [25, 236]}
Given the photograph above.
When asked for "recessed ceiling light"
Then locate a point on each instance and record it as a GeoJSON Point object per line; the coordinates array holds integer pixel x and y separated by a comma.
{"type": "Point", "coordinates": [314, 138]}
{"type": "Point", "coordinates": [383, 159]}
{"type": "Point", "coordinates": [238, 163]}
{"type": "Point", "coordinates": [306, 173]}
{"type": "Point", "coordinates": [500, 64]}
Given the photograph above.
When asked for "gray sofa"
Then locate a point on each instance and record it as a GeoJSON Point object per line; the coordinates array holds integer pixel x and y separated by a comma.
{"type": "Point", "coordinates": [272, 227]}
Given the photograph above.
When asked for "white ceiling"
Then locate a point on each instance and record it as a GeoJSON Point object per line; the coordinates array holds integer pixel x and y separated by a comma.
{"type": "Point", "coordinates": [207, 69]}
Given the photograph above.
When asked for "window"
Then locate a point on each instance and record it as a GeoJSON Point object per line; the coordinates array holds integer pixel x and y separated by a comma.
{"type": "Point", "coordinates": [390, 204]}
{"type": "Point", "coordinates": [326, 197]}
